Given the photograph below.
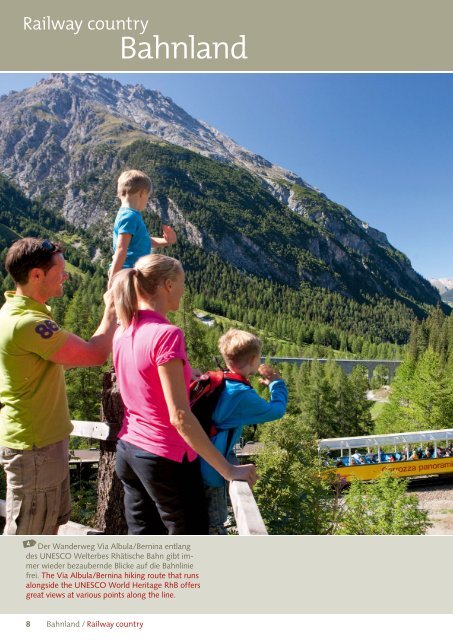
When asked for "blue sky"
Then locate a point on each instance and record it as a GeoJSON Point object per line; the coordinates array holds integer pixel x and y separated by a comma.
{"type": "Point", "coordinates": [380, 144]}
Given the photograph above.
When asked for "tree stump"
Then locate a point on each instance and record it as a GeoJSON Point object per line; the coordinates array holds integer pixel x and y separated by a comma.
{"type": "Point", "coordinates": [110, 510]}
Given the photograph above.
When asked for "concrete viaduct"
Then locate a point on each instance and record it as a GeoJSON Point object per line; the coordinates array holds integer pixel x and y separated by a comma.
{"type": "Point", "coordinates": [346, 365]}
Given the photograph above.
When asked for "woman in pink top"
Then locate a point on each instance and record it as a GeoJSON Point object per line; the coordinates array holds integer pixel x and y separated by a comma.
{"type": "Point", "coordinates": [160, 437]}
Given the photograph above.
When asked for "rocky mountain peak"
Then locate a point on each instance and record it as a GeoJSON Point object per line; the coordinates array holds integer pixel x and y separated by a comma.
{"type": "Point", "coordinates": [442, 284]}
{"type": "Point", "coordinates": [64, 138]}
{"type": "Point", "coordinates": [147, 111]}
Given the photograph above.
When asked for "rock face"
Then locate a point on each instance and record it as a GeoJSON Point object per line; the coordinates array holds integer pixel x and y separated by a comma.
{"type": "Point", "coordinates": [52, 124]}
{"type": "Point", "coordinates": [65, 139]}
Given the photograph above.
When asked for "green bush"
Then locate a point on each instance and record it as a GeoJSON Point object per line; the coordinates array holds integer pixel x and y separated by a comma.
{"type": "Point", "coordinates": [293, 494]}
{"type": "Point", "coordinates": [296, 496]}
{"type": "Point", "coordinates": [84, 503]}
{"type": "Point", "coordinates": [382, 507]}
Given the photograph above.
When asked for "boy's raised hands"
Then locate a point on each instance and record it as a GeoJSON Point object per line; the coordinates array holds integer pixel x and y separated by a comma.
{"type": "Point", "coordinates": [169, 234]}
{"type": "Point", "coordinates": [268, 374]}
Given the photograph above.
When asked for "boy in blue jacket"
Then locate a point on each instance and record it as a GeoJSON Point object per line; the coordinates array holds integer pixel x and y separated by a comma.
{"type": "Point", "coordinates": [239, 405]}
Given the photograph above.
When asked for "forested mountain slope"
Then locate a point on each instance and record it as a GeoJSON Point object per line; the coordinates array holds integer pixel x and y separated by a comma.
{"type": "Point", "coordinates": [66, 139]}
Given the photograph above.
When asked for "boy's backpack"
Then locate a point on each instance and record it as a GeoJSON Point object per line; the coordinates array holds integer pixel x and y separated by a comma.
{"type": "Point", "coordinates": [204, 394]}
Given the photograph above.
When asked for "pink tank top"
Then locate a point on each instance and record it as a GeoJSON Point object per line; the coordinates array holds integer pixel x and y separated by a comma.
{"type": "Point", "coordinates": [150, 341]}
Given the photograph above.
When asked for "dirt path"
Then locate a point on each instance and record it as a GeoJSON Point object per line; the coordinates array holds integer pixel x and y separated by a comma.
{"type": "Point", "coordinates": [439, 503]}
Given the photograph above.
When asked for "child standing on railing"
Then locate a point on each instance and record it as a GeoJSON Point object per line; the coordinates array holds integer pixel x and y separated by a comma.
{"type": "Point", "coordinates": [131, 239]}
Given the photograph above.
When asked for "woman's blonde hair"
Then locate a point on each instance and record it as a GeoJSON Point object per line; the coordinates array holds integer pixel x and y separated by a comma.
{"type": "Point", "coordinates": [141, 281]}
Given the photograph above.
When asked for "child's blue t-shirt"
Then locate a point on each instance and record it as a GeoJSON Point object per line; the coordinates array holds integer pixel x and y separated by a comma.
{"type": "Point", "coordinates": [130, 221]}
{"type": "Point", "coordinates": [238, 406]}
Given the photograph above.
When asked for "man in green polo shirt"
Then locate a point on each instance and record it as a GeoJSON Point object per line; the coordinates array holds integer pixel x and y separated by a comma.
{"type": "Point", "coordinates": [34, 421]}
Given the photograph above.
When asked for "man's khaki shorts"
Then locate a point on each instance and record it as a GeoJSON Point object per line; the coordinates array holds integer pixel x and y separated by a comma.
{"type": "Point", "coordinates": [38, 498]}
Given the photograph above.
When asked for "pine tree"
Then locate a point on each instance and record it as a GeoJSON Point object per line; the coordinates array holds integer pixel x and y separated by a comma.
{"type": "Point", "coordinates": [82, 317]}
{"type": "Point", "coordinates": [361, 421]}
{"type": "Point", "coordinates": [199, 353]}
{"type": "Point", "coordinates": [396, 416]}
{"type": "Point", "coordinates": [317, 402]}
{"type": "Point", "coordinates": [431, 397]}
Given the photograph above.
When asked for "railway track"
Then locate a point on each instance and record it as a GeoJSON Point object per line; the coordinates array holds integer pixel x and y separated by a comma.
{"type": "Point", "coordinates": [426, 482]}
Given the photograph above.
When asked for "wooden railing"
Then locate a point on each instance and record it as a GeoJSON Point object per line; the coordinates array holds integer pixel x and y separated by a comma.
{"type": "Point", "coordinates": [110, 509]}
{"type": "Point", "coordinates": [247, 515]}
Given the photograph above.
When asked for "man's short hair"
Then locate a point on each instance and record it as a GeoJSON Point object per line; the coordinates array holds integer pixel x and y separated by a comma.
{"type": "Point", "coordinates": [133, 181]}
{"type": "Point", "coordinates": [27, 254]}
{"type": "Point", "coordinates": [239, 347]}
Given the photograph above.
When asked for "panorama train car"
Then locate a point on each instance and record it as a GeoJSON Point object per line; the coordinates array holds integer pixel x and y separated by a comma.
{"type": "Point", "coordinates": [418, 453]}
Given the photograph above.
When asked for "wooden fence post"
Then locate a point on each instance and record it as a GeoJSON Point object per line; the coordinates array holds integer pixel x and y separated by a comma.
{"type": "Point", "coordinates": [110, 509]}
